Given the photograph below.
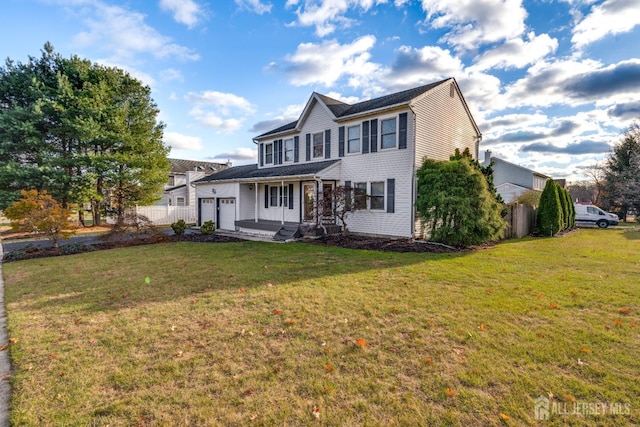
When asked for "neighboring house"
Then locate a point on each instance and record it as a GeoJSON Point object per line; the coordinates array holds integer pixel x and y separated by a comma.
{"type": "Point", "coordinates": [178, 191]}
{"type": "Point", "coordinates": [374, 145]}
{"type": "Point", "coordinates": [512, 180]}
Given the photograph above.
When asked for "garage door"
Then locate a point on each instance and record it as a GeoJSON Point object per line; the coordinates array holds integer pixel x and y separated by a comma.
{"type": "Point", "coordinates": [227, 216]}
{"type": "Point", "coordinates": [207, 210]}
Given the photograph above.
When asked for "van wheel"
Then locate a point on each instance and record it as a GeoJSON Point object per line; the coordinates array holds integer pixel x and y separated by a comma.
{"type": "Point", "coordinates": [602, 223]}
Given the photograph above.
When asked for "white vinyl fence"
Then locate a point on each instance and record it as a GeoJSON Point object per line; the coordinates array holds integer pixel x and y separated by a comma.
{"type": "Point", "coordinates": [164, 215]}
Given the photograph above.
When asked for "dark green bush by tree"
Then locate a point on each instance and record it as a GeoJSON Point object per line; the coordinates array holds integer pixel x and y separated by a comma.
{"type": "Point", "coordinates": [179, 227]}
{"type": "Point", "coordinates": [455, 204]}
{"type": "Point", "coordinates": [565, 207]}
{"type": "Point", "coordinates": [549, 219]}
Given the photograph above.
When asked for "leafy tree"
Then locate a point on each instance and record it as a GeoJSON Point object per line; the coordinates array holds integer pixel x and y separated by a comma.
{"type": "Point", "coordinates": [529, 198]}
{"type": "Point", "coordinates": [344, 200]}
{"type": "Point", "coordinates": [549, 217]}
{"type": "Point", "coordinates": [622, 174]}
{"type": "Point", "coordinates": [79, 130]}
{"type": "Point", "coordinates": [455, 204]}
{"type": "Point", "coordinates": [39, 212]}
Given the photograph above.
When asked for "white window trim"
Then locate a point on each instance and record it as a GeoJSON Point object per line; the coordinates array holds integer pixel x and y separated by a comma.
{"type": "Point", "coordinates": [271, 198]}
{"type": "Point", "coordinates": [184, 201]}
{"type": "Point", "coordinates": [284, 151]}
{"type": "Point", "coordinates": [384, 195]}
{"type": "Point", "coordinates": [273, 154]}
{"type": "Point", "coordinates": [380, 136]}
{"type": "Point", "coordinates": [313, 145]}
{"type": "Point", "coordinates": [359, 150]}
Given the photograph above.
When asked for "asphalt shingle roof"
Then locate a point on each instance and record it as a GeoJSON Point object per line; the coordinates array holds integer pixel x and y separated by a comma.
{"type": "Point", "coordinates": [341, 109]}
{"type": "Point", "coordinates": [252, 171]}
{"type": "Point", "coordinates": [183, 166]}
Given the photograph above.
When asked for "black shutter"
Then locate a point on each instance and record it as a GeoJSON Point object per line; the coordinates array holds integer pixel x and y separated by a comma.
{"type": "Point", "coordinates": [290, 196]}
{"type": "Point", "coordinates": [296, 149]}
{"type": "Point", "coordinates": [374, 135]}
{"type": "Point", "coordinates": [327, 144]}
{"type": "Point", "coordinates": [266, 196]}
{"type": "Point", "coordinates": [365, 136]}
{"type": "Point", "coordinates": [402, 131]}
{"type": "Point", "coordinates": [391, 195]}
{"type": "Point", "coordinates": [308, 136]}
{"type": "Point", "coordinates": [341, 141]}
{"type": "Point", "coordinates": [348, 190]}
{"type": "Point", "coordinates": [261, 154]}
{"type": "Point", "coordinates": [280, 202]}
{"type": "Point", "coordinates": [280, 151]}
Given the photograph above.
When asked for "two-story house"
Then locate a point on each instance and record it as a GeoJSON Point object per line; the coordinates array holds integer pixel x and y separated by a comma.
{"type": "Point", "coordinates": [375, 146]}
{"type": "Point", "coordinates": [513, 180]}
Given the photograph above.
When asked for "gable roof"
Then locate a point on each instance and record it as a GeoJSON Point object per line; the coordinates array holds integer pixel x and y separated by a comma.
{"type": "Point", "coordinates": [252, 172]}
{"type": "Point", "coordinates": [342, 110]}
{"type": "Point", "coordinates": [181, 166]}
{"type": "Point", "coordinates": [497, 160]}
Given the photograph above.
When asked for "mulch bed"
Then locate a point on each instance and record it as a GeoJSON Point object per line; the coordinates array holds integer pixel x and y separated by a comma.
{"type": "Point", "coordinates": [382, 244]}
{"type": "Point", "coordinates": [349, 242]}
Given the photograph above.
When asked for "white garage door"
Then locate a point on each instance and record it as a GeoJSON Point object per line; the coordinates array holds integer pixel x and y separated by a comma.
{"type": "Point", "coordinates": [207, 210]}
{"type": "Point", "coordinates": [227, 216]}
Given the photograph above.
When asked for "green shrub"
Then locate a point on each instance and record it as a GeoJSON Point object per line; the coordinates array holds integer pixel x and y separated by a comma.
{"type": "Point", "coordinates": [179, 227]}
{"type": "Point", "coordinates": [208, 227]}
{"type": "Point", "coordinates": [549, 218]}
{"type": "Point", "coordinates": [76, 248]}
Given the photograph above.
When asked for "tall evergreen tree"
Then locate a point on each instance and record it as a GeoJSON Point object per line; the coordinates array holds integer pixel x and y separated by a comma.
{"type": "Point", "coordinates": [622, 174]}
{"type": "Point", "coordinates": [549, 217]}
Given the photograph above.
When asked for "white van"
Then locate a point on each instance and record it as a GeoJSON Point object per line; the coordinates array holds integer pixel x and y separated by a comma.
{"type": "Point", "coordinates": [594, 215]}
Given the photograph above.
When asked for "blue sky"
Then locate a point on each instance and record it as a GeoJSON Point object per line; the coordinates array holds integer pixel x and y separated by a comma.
{"type": "Point", "coordinates": [551, 83]}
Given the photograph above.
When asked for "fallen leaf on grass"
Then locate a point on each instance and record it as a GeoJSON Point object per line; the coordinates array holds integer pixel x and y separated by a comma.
{"type": "Point", "coordinates": [584, 350]}
{"type": "Point", "coordinates": [625, 310]}
{"type": "Point", "coordinates": [3, 347]}
{"type": "Point", "coordinates": [276, 311]}
{"type": "Point", "coordinates": [316, 412]}
{"type": "Point", "coordinates": [429, 360]}
{"type": "Point", "coordinates": [570, 397]}
{"type": "Point", "coordinates": [482, 328]}
{"type": "Point", "coordinates": [362, 342]}
{"type": "Point", "coordinates": [289, 321]}
{"type": "Point", "coordinates": [553, 305]}
{"type": "Point", "coordinates": [618, 323]}
{"type": "Point", "coordinates": [505, 416]}
{"type": "Point", "coordinates": [78, 320]}
{"type": "Point", "coordinates": [582, 362]}
{"type": "Point", "coordinates": [489, 291]}
{"type": "Point", "coordinates": [243, 290]}
{"type": "Point", "coordinates": [13, 340]}
{"type": "Point", "coordinates": [329, 367]}
{"type": "Point", "coordinates": [52, 357]}
{"type": "Point", "coordinates": [450, 392]}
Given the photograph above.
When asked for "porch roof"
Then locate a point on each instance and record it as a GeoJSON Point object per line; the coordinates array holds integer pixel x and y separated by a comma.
{"type": "Point", "coordinates": [253, 173]}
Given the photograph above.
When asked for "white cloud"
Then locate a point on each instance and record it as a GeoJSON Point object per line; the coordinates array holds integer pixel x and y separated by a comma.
{"type": "Point", "coordinates": [328, 61]}
{"type": "Point", "coordinates": [222, 101]}
{"type": "Point", "coordinates": [171, 74]}
{"type": "Point", "coordinates": [327, 15]}
{"type": "Point", "coordinates": [242, 153]}
{"type": "Point", "coordinates": [223, 111]}
{"type": "Point", "coordinates": [415, 66]}
{"type": "Point", "coordinates": [473, 23]}
{"type": "Point", "coordinates": [178, 141]}
{"type": "Point", "coordinates": [186, 12]}
{"type": "Point", "coordinates": [517, 53]}
{"type": "Point", "coordinates": [255, 6]}
{"type": "Point", "coordinates": [609, 17]}
{"type": "Point", "coordinates": [125, 35]}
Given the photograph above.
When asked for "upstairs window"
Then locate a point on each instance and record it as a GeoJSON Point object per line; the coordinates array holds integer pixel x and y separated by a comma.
{"type": "Point", "coordinates": [353, 137]}
{"type": "Point", "coordinates": [388, 131]}
{"type": "Point", "coordinates": [288, 150]}
{"type": "Point", "coordinates": [172, 180]}
{"type": "Point", "coordinates": [318, 145]}
{"type": "Point", "coordinates": [268, 153]}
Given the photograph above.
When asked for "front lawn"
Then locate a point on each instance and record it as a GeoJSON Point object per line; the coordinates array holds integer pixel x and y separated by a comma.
{"type": "Point", "coordinates": [297, 334]}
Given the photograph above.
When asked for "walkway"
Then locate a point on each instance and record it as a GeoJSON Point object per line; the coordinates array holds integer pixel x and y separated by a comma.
{"type": "Point", "coordinates": [5, 363]}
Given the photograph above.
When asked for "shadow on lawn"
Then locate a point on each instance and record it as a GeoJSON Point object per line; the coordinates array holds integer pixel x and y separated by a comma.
{"type": "Point", "coordinates": [632, 234]}
{"type": "Point", "coordinates": [115, 280]}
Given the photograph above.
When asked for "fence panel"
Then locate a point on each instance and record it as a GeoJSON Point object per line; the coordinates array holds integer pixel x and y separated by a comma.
{"type": "Point", "coordinates": [164, 215]}
{"type": "Point", "coordinates": [521, 220]}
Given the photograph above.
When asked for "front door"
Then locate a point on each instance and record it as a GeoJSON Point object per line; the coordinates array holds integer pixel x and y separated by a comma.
{"type": "Point", "coordinates": [309, 201]}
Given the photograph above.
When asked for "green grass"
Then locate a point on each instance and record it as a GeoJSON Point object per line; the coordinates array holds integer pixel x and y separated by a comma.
{"type": "Point", "coordinates": [258, 333]}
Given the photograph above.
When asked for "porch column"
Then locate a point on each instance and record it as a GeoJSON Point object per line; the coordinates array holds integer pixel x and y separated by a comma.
{"type": "Point", "coordinates": [319, 200]}
{"type": "Point", "coordinates": [256, 207]}
{"type": "Point", "coordinates": [282, 199]}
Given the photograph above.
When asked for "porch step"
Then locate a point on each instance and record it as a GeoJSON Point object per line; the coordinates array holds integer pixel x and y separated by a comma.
{"type": "Point", "coordinates": [287, 232]}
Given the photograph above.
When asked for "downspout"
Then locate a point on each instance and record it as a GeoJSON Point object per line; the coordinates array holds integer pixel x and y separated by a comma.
{"type": "Point", "coordinates": [414, 186]}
